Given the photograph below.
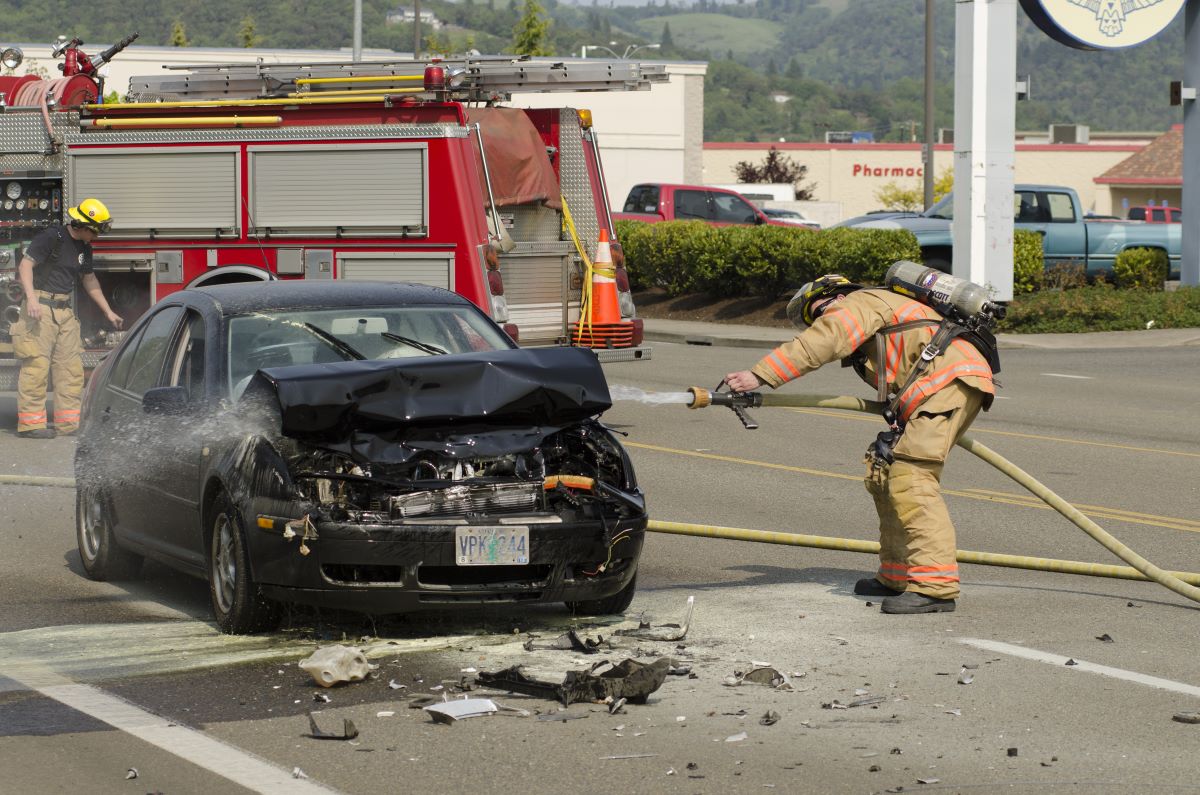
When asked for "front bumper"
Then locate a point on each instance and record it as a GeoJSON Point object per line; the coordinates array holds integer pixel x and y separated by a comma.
{"type": "Point", "coordinates": [381, 568]}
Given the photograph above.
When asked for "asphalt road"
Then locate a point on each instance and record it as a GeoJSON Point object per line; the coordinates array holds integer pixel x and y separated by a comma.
{"type": "Point", "coordinates": [98, 678]}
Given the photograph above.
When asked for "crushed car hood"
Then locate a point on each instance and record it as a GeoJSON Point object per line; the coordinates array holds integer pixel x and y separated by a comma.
{"type": "Point", "coordinates": [463, 405]}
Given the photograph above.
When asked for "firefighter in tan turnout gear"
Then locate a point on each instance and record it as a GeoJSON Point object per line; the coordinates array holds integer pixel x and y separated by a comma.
{"type": "Point", "coordinates": [46, 339]}
{"type": "Point", "coordinates": [918, 572]}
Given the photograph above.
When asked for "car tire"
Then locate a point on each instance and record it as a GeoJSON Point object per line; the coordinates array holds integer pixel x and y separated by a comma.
{"type": "Point", "coordinates": [103, 558]}
{"type": "Point", "coordinates": [238, 604]}
{"type": "Point", "coordinates": [613, 605]}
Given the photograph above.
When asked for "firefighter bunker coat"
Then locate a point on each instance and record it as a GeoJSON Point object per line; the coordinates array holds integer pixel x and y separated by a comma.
{"type": "Point", "coordinates": [917, 548]}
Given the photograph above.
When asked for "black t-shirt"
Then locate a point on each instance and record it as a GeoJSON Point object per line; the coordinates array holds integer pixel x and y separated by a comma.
{"type": "Point", "coordinates": [58, 260]}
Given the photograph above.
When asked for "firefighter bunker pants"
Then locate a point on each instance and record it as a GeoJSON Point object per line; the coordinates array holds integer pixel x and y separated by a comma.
{"type": "Point", "coordinates": [45, 347]}
{"type": "Point", "coordinates": [917, 547]}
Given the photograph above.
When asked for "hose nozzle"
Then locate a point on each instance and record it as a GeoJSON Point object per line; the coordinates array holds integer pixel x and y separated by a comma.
{"type": "Point", "coordinates": [738, 401]}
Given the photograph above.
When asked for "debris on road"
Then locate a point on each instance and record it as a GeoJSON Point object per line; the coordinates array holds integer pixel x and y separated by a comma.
{"type": "Point", "coordinates": [461, 709]}
{"type": "Point", "coordinates": [1105, 638]}
{"type": "Point", "coordinates": [1012, 751]}
{"type": "Point", "coordinates": [570, 641]}
{"type": "Point", "coordinates": [616, 707]}
{"type": "Point", "coordinates": [298, 773]}
{"type": "Point", "coordinates": [1071, 662]}
{"type": "Point", "coordinates": [858, 702]}
{"type": "Point", "coordinates": [349, 730]}
{"type": "Point", "coordinates": [562, 716]}
{"type": "Point", "coordinates": [629, 756]}
{"type": "Point", "coordinates": [604, 682]}
{"type": "Point", "coordinates": [331, 665]}
{"type": "Point", "coordinates": [770, 677]}
{"type": "Point", "coordinates": [928, 780]}
{"type": "Point", "coordinates": [663, 631]}
{"type": "Point", "coordinates": [131, 773]}
{"type": "Point", "coordinates": [394, 685]}
{"type": "Point", "coordinates": [965, 677]}
{"type": "Point", "coordinates": [737, 738]}
{"type": "Point", "coordinates": [321, 698]}
{"type": "Point", "coordinates": [770, 718]}
{"type": "Point", "coordinates": [1186, 717]}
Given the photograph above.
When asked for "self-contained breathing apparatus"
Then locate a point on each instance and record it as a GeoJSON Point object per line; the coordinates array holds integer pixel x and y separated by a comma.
{"type": "Point", "coordinates": [966, 312]}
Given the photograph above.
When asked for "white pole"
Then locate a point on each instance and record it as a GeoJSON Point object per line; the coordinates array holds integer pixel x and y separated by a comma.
{"type": "Point", "coordinates": [357, 30]}
{"type": "Point", "coordinates": [1189, 267]}
{"type": "Point", "coordinates": [985, 66]}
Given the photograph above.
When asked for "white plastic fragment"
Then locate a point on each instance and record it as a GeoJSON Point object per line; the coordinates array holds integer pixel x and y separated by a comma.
{"type": "Point", "coordinates": [737, 738]}
{"type": "Point", "coordinates": [298, 773]}
{"type": "Point", "coordinates": [331, 665]}
{"type": "Point", "coordinates": [394, 685]}
{"type": "Point", "coordinates": [460, 709]}
{"type": "Point", "coordinates": [132, 773]}
{"type": "Point", "coordinates": [387, 713]}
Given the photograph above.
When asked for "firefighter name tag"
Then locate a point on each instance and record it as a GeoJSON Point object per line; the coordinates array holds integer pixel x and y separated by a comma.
{"type": "Point", "coordinates": [491, 546]}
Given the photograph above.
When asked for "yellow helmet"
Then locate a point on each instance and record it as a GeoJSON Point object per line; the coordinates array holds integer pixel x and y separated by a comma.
{"type": "Point", "coordinates": [800, 308]}
{"type": "Point", "coordinates": [91, 214]}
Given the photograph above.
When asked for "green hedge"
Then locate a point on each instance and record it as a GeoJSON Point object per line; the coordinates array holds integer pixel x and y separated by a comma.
{"type": "Point", "coordinates": [1029, 265]}
{"type": "Point", "coordinates": [1102, 308]}
{"type": "Point", "coordinates": [1141, 268]}
{"type": "Point", "coordinates": [693, 256]}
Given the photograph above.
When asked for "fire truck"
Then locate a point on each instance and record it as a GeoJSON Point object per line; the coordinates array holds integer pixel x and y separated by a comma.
{"type": "Point", "coordinates": [384, 170]}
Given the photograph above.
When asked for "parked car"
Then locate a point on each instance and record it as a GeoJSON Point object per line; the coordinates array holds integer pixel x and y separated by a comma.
{"type": "Point", "coordinates": [1152, 214]}
{"type": "Point", "coordinates": [794, 217]}
{"type": "Point", "coordinates": [378, 447]}
{"type": "Point", "coordinates": [1054, 212]}
{"type": "Point", "coordinates": [654, 202]}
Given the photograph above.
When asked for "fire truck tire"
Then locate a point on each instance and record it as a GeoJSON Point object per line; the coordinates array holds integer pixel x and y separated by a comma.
{"type": "Point", "coordinates": [237, 602]}
{"type": "Point", "coordinates": [103, 558]}
{"type": "Point", "coordinates": [613, 605]}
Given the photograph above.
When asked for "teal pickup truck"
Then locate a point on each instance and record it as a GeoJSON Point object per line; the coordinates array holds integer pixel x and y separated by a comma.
{"type": "Point", "coordinates": [1053, 212]}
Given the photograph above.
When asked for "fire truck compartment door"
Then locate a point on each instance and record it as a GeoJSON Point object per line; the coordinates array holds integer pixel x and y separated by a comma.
{"type": "Point", "coordinates": [343, 189]}
{"type": "Point", "coordinates": [540, 300]}
{"type": "Point", "coordinates": [178, 191]}
{"type": "Point", "coordinates": [420, 267]}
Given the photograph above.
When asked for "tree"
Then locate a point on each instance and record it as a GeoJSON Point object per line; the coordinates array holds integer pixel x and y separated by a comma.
{"type": "Point", "coordinates": [893, 196]}
{"type": "Point", "coordinates": [666, 42]}
{"type": "Point", "coordinates": [531, 30]}
{"type": "Point", "coordinates": [246, 34]}
{"type": "Point", "coordinates": [178, 36]}
{"type": "Point", "coordinates": [777, 169]}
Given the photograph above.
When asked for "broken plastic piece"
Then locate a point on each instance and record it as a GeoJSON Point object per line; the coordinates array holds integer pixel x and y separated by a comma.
{"type": "Point", "coordinates": [570, 641]}
{"type": "Point", "coordinates": [1186, 717]}
{"type": "Point", "coordinates": [1071, 662]}
{"type": "Point", "coordinates": [629, 756]}
{"type": "Point", "coordinates": [331, 665]}
{"type": "Point", "coordinates": [928, 780]}
{"type": "Point", "coordinates": [461, 709]}
{"type": "Point", "coordinates": [132, 773]}
{"type": "Point", "coordinates": [1105, 638]}
{"type": "Point", "coordinates": [629, 679]}
{"type": "Point", "coordinates": [771, 677]}
{"type": "Point", "coordinates": [616, 707]}
{"type": "Point", "coordinates": [298, 773]}
{"type": "Point", "coordinates": [737, 738]}
{"type": "Point", "coordinates": [394, 685]}
{"type": "Point", "coordinates": [965, 677]}
{"type": "Point", "coordinates": [349, 730]}
{"type": "Point", "coordinates": [770, 718]}
{"type": "Point", "coordinates": [665, 631]}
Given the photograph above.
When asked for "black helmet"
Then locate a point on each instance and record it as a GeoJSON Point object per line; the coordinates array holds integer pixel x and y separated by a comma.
{"type": "Point", "coordinates": [799, 309]}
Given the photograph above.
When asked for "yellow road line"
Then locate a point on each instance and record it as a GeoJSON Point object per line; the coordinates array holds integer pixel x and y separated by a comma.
{"type": "Point", "coordinates": [1193, 523]}
{"type": "Point", "coordinates": [1098, 512]}
{"type": "Point", "coordinates": [975, 431]}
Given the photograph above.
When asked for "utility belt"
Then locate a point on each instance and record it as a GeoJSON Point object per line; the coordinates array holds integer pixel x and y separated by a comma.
{"type": "Point", "coordinates": [54, 300]}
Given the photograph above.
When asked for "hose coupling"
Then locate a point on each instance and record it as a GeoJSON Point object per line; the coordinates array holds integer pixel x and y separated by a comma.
{"type": "Point", "coordinates": [737, 401]}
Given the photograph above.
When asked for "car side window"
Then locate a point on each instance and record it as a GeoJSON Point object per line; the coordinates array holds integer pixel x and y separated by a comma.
{"type": "Point", "coordinates": [1062, 209]}
{"type": "Point", "coordinates": [1176, 216]}
{"type": "Point", "coordinates": [120, 369]}
{"type": "Point", "coordinates": [691, 204]}
{"type": "Point", "coordinates": [147, 365]}
{"type": "Point", "coordinates": [1159, 216]}
{"type": "Point", "coordinates": [732, 209]}
{"type": "Point", "coordinates": [188, 367]}
{"type": "Point", "coordinates": [642, 199]}
{"type": "Point", "coordinates": [1026, 207]}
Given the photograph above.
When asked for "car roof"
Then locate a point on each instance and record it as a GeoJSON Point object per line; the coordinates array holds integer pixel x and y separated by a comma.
{"type": "Point", "coordinates": [316, 294]}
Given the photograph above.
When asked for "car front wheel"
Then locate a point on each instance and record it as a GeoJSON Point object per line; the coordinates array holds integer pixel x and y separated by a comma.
{"type": "Point", "coordinates": [238, 605]}
{"type": "Point", "coordinates": [103, 558]}
{"type": "Point", "coordinates": [616, 604]}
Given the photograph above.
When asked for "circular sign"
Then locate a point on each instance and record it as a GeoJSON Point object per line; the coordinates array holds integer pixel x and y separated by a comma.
{"type": "Point", "coordinates": [1102, 24]}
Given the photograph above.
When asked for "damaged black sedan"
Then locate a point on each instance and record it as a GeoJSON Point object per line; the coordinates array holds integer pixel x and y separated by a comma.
{"type": "Point", "coordinates": [370, 446]}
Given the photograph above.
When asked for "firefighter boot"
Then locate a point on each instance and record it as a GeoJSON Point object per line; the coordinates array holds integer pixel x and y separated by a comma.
{"type": "Point", "coordinates": [869, 586]}
{"type": "Point", "coordinates": [913, 602]}
{"type": "Point", "coordinates": [38, 433]}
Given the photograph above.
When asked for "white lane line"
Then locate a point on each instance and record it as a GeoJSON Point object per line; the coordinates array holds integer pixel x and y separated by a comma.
{"type": "Point", "coordinates": [234, 764]}
{"type": "Point", "coordinates": [1082, 665]}
{"type": "Point", "coordinates": [1065, 375]}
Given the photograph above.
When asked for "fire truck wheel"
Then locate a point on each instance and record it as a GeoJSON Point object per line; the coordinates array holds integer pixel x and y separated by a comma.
{"type": "Point", "coordinates": [616, 604]}
{"type": "Point", "coordinates": [103, 558]}
{"type": "Point", "coordinates": [238, 605]}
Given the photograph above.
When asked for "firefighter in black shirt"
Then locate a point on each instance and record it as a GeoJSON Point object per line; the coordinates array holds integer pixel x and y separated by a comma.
{"type": "Point", "coordinates": [46, 339]}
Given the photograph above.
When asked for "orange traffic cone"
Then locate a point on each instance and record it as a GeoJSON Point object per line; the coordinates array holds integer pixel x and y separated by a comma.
{"type": "Point", "coordinates": [600, 324]}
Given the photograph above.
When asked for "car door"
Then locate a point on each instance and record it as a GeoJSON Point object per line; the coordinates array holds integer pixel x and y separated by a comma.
{"type": "Point", "coordinates": [1065, 233]}
{"type": "Point", "coordinates": [731, 209]}
{"type": "Point", "coordinates": [692, 205]}
{"type": "Point", "coordinates": [173, 486]}
{"type": "Point", "coordinates": [135, 451]}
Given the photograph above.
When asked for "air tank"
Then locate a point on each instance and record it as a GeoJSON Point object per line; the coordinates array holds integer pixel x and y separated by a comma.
{"type": "Point", "coordinates": [941, 290]}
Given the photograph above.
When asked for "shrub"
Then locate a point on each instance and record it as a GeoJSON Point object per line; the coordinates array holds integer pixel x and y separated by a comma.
{"type": "Point", "coordinates": [1029, 270]}
{"type": "Point", "coordinates": [1141, 269]}
{"type": "Point", "coordinates": [1101, 308]}
{"type": "Point", "coordinates": [1065, 276]}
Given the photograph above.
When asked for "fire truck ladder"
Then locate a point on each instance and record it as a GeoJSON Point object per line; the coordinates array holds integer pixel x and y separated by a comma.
{"type": "Point", "coordinates": [478, 79]}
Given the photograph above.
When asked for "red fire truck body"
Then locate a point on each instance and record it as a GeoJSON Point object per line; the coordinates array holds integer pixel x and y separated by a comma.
{"type": "Point", "coordinates": [401, 171]}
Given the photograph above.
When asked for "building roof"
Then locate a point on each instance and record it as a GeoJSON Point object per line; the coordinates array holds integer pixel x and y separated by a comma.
{"type": "Point", "coordinates": [1160, 162]}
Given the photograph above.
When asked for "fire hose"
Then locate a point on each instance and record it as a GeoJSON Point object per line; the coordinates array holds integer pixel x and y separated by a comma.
{"type": "Point", "coordinates": [1182, 583]}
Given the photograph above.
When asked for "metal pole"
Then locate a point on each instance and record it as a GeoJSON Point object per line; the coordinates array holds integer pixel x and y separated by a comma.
{"type": "Point", "coordinates": [357, 30]}
{"type": "Point", "coordinates": [929, 132]}
{"type": "Point", "coordinates": [416, 29]}
{"type": "Point", "coordinates": [1189, 266]}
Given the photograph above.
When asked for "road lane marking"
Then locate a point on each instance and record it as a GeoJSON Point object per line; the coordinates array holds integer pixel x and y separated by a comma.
{"type": "Point", "coordinates": [1022, 501]}
{"type": "Point", "coordinates": [215, 756]}
{"type": "Point", "coordinates": [1082, 665]}
{"type": "Point", "coordinates": [1066, 375]}
{"type": "Point", "coordinates": [981, 431]}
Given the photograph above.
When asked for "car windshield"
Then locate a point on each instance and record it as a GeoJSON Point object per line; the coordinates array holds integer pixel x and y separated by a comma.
{"type": "Point", "coordinates": [942, 209]}
{"type": "Point", "coordinates": [281, 338]}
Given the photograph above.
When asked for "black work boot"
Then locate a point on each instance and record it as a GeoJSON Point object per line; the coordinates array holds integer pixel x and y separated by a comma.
{"type": "Point", "coordinates": [869, 586]}
{"type": "Point", "coordinates": [913, 602]}
{"type": "Point", "coordinates": [38, 433]}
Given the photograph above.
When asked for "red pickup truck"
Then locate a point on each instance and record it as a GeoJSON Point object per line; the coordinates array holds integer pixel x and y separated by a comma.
{"type": "Point", "coordinates": [662, 202]}
{"type": "Point", "coordinates": [1153, 214]}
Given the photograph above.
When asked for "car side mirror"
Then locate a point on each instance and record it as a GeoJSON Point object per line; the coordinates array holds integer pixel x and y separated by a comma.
{"type": "Point", "coordinates": [166, 400]}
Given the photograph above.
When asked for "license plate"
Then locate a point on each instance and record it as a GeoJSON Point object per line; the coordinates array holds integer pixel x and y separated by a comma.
{"type": "Point", "coordinates": [491, 546]}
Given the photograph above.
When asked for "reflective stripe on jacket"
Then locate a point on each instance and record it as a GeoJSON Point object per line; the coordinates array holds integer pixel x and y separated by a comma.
{"type": "Point", "coordinates": [849, 324]}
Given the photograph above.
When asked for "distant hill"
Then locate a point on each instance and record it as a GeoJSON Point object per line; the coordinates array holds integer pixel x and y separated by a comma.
{"type": "Point", "coordinates": [840, 64]}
